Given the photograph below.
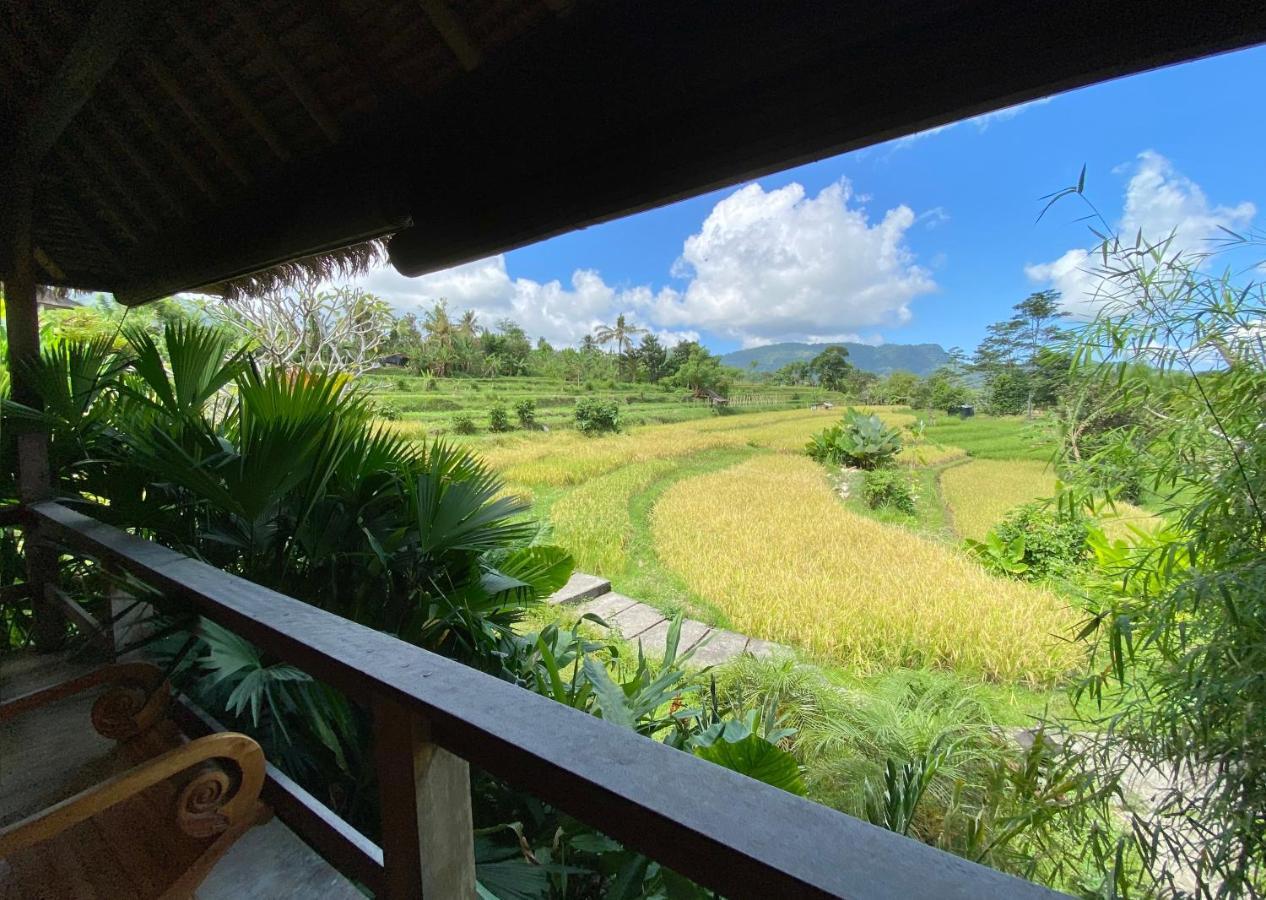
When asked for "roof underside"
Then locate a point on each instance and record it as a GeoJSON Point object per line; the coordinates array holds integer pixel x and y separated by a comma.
{"type": "Point", "coordinates": [181, 145]}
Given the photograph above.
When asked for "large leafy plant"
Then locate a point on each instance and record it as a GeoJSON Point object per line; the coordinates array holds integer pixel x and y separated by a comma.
{"type": "Point", "coordinates": [860, 440]}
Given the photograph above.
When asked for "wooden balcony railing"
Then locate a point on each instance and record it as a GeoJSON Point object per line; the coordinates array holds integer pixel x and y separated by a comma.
{"type": "Point", "coordinates": [434, 717]}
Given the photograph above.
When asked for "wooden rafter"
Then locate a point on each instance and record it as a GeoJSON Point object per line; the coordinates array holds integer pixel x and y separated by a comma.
{"type": "Point", "coordinates": [106, 172]}
{"type": "Point", "coordinates": [47, 263]}
{"type": "Point", "coordinates": [360, 57]}
{"type": "Point", "coordinates": [453, 32]}
{"type": "Point", "coordinates": [137, 105]}
{"type": "Point", "coordinates": [168, 82]}
{"type": "Point", "coordinates": [277, 59]}
{"type": "Point", "coordinates": [227, 84]}
{"type": "Point", "coordinates": [86, 188]}
{"type": "Point", "coordinates": [86, 231]}
{"type": "Point", "coordinates": [109, 30]}
{"type": "Point", "coordinates": [153, 180]}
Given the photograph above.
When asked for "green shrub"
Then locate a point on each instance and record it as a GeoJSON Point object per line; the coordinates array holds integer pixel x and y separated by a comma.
{"type": "Point", "coordinates": [401, 384]}
{"type": "Point", "coordinates": [499, 419]}
{"type": "Point", "coordinates": [430, 384]}
{"type": "Point", "coordinates": [891, 488]}
{"type": "Point", "coordinates": [1042, 542]}
{"type": "Point", "coordinates": [597, 416]}
{"type": "Point", "coordinates": [860, 440]}
{"type": "Point", "coordinates": [463, 424]}
{"type": "Point", "coordinates": [526, 411]}
{"type": "Point", "coordinates": [389, 411]}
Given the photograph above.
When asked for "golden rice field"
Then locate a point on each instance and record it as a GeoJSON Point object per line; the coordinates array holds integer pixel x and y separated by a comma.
{"type": "Point", "coordinates": [572, 458]}
{"type": "Point", "coordinates": [979, 493]}
{"type": "Point", "coordinates": [593, 521]}
{"type": "Point", "coordinates": [767, 542]}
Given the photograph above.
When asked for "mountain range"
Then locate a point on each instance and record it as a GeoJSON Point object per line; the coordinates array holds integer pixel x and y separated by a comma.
{"type": "Point", "coordinates": [921, 359]}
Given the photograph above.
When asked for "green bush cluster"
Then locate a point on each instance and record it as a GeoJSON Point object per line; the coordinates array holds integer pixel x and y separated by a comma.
{"type": "Point", "coordinates": [499, 419]}
{"type": "Point", "coordinates": [891, 489]}
{"type": "Point", "coordinates": [860, 440]}
{"type": "Point", "coordinates": [1036, 541]}
{"type": "Point", "coordinates": [526, 412]}
{"type": "Point", "coordinates": [463, 424]}
{"type": "Point", "coordinates": [597, 416]}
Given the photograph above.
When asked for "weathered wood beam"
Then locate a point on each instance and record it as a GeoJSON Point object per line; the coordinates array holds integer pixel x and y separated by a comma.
{"type": "Point", "coordinates": [280, 63]}
{"type": "Point", "coordinates": [113, 25]}
{"type": "Point", "coordinates": [171, 86]}
{"type": "Point", "coordinates": [227, 84]}
{"type": "Point", "coordinates": [427, 846]}
{"type": "Point", "coordinates": [137, 105]}
{"type": "Point", "coordinates": [453, 32]}
{"type": "Point", "coordinates": [49, 265]}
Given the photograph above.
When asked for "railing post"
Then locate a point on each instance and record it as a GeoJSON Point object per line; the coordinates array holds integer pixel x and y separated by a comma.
{"type": "Point", "coordinates": [427, 829]}
{"type": "Point", "coordinates": [22, 326]}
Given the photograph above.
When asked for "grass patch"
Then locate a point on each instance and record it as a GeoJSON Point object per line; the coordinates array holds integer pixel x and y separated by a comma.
{"type": "Point", "coordinates": [989, 437]}
{"type": "Point", "coordinates": [769, 544]}
{"type": "Point", "coordinates": [979, 493]}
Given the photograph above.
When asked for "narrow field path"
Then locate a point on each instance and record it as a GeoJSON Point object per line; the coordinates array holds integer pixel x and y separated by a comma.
{"type": "Point", "coordinates": [635, 621]}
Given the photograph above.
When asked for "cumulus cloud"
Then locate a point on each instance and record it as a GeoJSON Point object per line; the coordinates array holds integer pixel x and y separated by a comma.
{"type": "Point", "coordinates": [561, 314]}
{"type": "Point", "coordinates": [764, 266]}
{"type": "Point", "coordinates": [779, 265]}
{"type": "Point", "coordinates": [1159, 201]}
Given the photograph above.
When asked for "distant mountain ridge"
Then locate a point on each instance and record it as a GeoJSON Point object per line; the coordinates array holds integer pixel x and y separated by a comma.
{"type": "Point", "coordinates": [921, 359]}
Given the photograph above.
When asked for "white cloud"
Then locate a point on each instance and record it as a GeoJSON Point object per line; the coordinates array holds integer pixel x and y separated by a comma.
{"type": "Point", "coordinates": [1159, 201]}
{"type": "Point", "coordinates": [778, 265]}
{"type": "Point", "coordinates": [764, 266]}
{"type": "Point", "coordinates": [561, 314]}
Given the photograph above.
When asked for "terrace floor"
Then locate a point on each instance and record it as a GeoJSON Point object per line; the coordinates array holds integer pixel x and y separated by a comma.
{"type": "Point", "coordinates": [51, 753]}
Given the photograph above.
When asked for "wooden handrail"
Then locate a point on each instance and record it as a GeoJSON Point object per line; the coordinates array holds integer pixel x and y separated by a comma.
{"type": "Point", "coordinates": [725, 831]}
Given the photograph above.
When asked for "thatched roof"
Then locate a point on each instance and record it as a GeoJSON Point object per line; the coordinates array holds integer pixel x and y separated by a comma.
{"type": "Point", "coordinates": [183, 144]}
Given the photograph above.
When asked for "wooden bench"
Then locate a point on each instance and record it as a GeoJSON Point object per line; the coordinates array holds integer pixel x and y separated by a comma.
{"type": "Point", "coordinates": [156, 824]}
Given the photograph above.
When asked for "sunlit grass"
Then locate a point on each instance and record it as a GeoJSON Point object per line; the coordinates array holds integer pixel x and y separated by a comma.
{"type": "Point", "coordinates": [769, 544]}
{"type": "Point", "coordinates": [979, 493]}
{"type": "Point", "coordinates": [593, 521]}
{"type": "Point", "coordinates": [929, 454]}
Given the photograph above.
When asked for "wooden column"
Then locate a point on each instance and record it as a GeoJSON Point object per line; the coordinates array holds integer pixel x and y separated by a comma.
{"type": "Point", "coordinates": [427, 830]}
{"type": "Point", "coordinates": [22, 322]}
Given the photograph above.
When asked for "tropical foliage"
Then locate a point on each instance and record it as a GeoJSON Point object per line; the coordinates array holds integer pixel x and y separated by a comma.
{"type": "Point", "coordinates": [860, 440]}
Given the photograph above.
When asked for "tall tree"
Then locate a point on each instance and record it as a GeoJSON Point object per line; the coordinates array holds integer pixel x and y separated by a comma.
{"type": "Point", "coordinates": [652, 357]}
{"type": "Point", "coordinates": [621, 334]}
{"type": "Point", "coordinates": [1010, 353]}
{"type": "Point", "coordinates": [831, 367]}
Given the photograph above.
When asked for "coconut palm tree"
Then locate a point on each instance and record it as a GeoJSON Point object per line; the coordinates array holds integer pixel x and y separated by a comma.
{"type": "Point", "coordinates": [437, 324]}
{"type": "Point", "coordinates": [622, 334]}
{"type": "Point", "coordinates": [468, 324]}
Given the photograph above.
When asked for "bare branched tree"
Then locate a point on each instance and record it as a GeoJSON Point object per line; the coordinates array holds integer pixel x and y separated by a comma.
{"type": "Point", "coordinates": [341, 329]}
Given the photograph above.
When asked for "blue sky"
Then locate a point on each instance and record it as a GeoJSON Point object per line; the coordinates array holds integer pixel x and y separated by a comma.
{"type": "Point", "coordinates": [925, 239]}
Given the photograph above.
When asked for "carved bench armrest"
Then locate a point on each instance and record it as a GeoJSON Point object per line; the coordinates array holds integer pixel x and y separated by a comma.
{"type": "Point", "coordinates": [210, 803]}
{"type": "Point", "coordinates": [138, 699]}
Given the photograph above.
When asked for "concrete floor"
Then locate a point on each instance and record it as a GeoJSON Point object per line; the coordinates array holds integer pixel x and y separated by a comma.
{"type": "Point", "coordinates": [52, 753]}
